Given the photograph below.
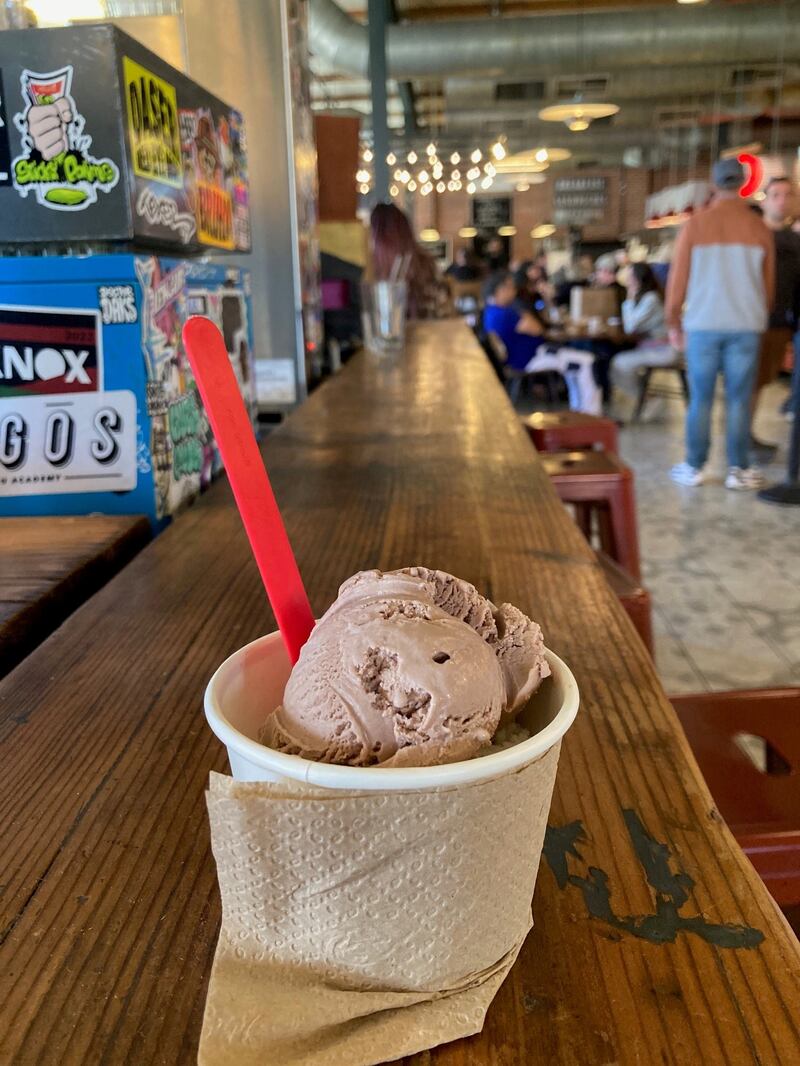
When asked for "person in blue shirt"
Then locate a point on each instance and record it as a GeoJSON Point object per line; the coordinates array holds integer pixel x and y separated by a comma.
{"type": "Point", "coordinates": [520, 331]}
{"type": "Point", "coordinates": [522, 334]}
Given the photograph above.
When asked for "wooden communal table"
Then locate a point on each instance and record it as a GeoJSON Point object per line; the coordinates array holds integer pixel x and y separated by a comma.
{"type": "Point", "coordinates": [655, 942]}
{"type": "Point", "coordinates": [49, 566]}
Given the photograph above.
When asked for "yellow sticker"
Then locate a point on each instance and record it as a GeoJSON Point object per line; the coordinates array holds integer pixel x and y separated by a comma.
{"type": "Point", "coordinates": [214, 216]}
{"type": "Point", "coordinates": [152, 107]}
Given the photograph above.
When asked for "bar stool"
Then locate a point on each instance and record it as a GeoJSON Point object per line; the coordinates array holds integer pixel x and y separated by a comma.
{"type": "Point", "coordinates": [633, 596]}
{"type": "Point", "coordinates": [599, 482]}
{"type": "Point", "coordinates": [761, 806]}
{"type": "Point", "coordinates": [555, 431]}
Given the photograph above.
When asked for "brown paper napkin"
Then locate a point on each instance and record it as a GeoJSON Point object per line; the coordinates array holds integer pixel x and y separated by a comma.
{"type": "Point", "coordinates": [359, 927]}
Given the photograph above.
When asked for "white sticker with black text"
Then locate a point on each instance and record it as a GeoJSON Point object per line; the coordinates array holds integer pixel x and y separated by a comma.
{"type": "Point", "coordinates": [77, 442]}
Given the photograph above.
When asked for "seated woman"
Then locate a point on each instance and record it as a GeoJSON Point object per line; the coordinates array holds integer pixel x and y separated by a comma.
{"type": "Point", "coordinates": [643, 321]}
{"type": "Point", "coordinates": [534, 291]}
{"type": "Point", "coordinates": [522, 335]}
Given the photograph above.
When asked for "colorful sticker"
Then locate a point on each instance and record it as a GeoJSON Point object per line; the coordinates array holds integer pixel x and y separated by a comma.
{"type": "Point", "coordinates": [152, 106]}
{"type": "Point", "coordinates": [208, 158]}
{"type": "Point", "coordinates": [117, 305]}
{"type": "Point", "coordinates": [45, 351]}
{"type": "Point", "coordinates": [56, 163]}
{"type": "Point", "coordinates": [68, 443]}
{"type": "Point", "coordinates": [5, 150]}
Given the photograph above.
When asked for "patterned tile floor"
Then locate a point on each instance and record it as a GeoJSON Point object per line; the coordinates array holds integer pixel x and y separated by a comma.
{"type": "Point", "coordinates": [722, 567]}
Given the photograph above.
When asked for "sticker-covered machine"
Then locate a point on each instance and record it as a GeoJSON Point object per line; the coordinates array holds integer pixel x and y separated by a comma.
{"type": "Point", "coordinates": [98, 406]}
{"type": "Point", "coordinates": [100, 140]}
{"type": "Point", "coordinates": [105, 148]}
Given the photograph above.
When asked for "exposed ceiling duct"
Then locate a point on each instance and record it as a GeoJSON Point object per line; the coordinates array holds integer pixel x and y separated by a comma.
{"type": "Point", "coordinates": [548, 44]}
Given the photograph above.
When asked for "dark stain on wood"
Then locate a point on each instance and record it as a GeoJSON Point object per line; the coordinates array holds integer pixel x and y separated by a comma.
{"type": "Point", "coordinates": [672, 889]}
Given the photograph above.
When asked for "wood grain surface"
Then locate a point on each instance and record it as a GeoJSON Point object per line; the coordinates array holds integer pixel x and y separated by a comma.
{"type": "Point", "coordinates": [109, 908]}
{"type": "Point", "coordinates": [49, 566]}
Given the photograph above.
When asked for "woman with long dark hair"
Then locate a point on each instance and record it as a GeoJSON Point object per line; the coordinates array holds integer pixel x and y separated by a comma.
{"type": "Point", "coordinates": [643, 321]}
{"type": "Point", "coordinates": [394, 248]}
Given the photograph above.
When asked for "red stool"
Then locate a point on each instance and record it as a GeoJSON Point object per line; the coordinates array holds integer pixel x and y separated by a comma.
{"type": "Point", "coordinates": [600, 482]}
{"type": "Point", "coordinates": [555, 431]}
{"type": "Point", "coordinates": [762, 808]}
{"type": "Point", "coordinates": [632, 595]}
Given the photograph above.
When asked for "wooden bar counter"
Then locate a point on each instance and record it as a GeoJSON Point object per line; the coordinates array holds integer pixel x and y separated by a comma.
{"type": "Point", "coordinates": [654, 942]}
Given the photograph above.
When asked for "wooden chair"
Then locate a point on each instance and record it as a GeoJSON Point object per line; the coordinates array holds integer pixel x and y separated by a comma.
{"type": "Point", "coordinates": [761, 805]}
{"type": "Point", "coordinates": [599, 483]}
{"type": "Point", "coordinates": [465, 292]}
{"type": "Point", "coordinates": [678, 367]}
{"type": "Point", "coordinates": [633, 596]}
{"type": "Point", "coordinates": [555, 431]}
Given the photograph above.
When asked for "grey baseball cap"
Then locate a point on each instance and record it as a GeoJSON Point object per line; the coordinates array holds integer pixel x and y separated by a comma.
{"type": "Point", "coordinates": [728, 174]}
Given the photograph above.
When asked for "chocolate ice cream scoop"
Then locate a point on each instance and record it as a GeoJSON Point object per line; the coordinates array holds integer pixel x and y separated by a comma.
{"type": "Point", "coordinates": [407, 668]}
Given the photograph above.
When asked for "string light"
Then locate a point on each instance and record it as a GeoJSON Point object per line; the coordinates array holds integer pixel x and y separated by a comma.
{"type": "Point", "coordinates": [431, 149]}
{"type": "Point", "coordinates": [471, 188]}
{"type": "Point", "coordinates": [437, 170]}
{"type": "Point", "coordinates": [477, 156]}
{"type": "Point", "coordinates": [411, 157]}
{"type": "Point", "coordinates": [456, 175]}
{"type": "Point", "coordinates": [498, 150]}
{"type": "Point", "coordinates": [474, 173]}
{"type": "Point", "coordinates": [411, 185]}
{"type": "Point", "coordinates": [541, 155]}
{"type": "Point", "coordinates": [422, 177]}
{"type": "Point", "coordinates": [362, 176]}
{"type": "Point", "coordinates": [391, 159]}
{"type": "Point", "coordinates": [440, 186]}
{"type": "Point", "coordinates": [393, 190]}
{"type": "Point", "coordinates": [490, 170]}
{"type": "Point", "coordinates": [368, 155]}
{"type": "Point", "coordinates": [363, 189]}
{"type": "Point", "coordinates": [486, 183]}
{"type": "Point", "coordinates": [455, 159]}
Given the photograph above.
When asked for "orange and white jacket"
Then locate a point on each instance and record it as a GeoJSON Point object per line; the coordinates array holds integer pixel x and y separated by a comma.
{"type": "Point", "coordinates": [724, 269]}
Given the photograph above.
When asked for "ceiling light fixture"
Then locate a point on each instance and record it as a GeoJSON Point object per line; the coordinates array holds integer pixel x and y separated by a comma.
{"type": "Point", "coordinates": [546, 229]}
{"type": "Point", "coordinates": [467, 231]}
{"type": "Point", "coordinates": [522, 186]}
{"type": "Point", "coordinates": [577, 114]}
{"type": "Point", "coordinates": [540, 155]}
{"type": "Point", "coordinates": [429, 234]}
{"type": "Point", "coordinates": [507, 231]}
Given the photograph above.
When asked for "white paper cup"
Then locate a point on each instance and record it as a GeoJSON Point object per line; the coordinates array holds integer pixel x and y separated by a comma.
{"type": "Point", "coordinates": [249, 684]}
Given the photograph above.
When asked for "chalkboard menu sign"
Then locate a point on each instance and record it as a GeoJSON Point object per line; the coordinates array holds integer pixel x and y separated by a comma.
{"type": "Point", "coordinates": [579, 200]}
{"type": "Point", "coordinates": [491, 212]}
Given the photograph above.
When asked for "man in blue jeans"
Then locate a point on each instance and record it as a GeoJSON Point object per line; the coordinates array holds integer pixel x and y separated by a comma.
{"type": "Point", "coordinates": [724, 270]}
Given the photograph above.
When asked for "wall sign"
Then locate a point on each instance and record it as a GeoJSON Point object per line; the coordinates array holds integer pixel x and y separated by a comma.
{"type": "Point", "coordinates": [45, 352]}
{"type": "Point", "coordinates": [5, 151]}
{"type": "Point", "coordinates": [152, 108]}
{"type": "Point", "coordinates": [491, 212]}
{"type": "Point", "coordinates": [579, 200]}
{"type": "Point", "coordinates": [56, 163]}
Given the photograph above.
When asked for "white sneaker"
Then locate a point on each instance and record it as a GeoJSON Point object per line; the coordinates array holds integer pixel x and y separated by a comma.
{"type": "Point", "coordinates": [687, 475]}
{"type": "Point", "coordinates": [743, 480]}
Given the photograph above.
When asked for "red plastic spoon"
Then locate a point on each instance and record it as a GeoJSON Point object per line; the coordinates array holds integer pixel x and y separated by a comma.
{"type": "Point", "coordinates": [255, 499]}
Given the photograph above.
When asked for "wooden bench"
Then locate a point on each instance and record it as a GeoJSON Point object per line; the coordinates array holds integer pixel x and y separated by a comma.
{"type": "Point", "coordinates": [49, 566]}
{"type": "Point", "coordinates": [654, 939]}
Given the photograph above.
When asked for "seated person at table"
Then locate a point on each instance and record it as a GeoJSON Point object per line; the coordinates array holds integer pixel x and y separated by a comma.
{"type": "Point", "coordinates": [522, 335]}
{"type": "Point", "coordinates": [462, 268]}
{"type": "Point", "coordinates": [534, 291]}
{"type": "Point", "coordinates": [605, 277]}
{"type": "Point", "coordinates": [643, 320]}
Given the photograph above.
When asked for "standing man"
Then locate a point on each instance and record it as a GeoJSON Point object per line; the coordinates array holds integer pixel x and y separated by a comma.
{"type": "Point", "coordinates": [724, 269]}
{"type": "Point", "coordinates": [783, 320]}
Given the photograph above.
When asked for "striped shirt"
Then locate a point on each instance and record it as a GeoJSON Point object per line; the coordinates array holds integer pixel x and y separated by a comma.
{"type": "Point", "coordinates": [724, 270]}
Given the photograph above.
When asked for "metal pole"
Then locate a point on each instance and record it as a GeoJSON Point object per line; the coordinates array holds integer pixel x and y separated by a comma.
{"type": "Point", "coordinates": [377, 11]}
